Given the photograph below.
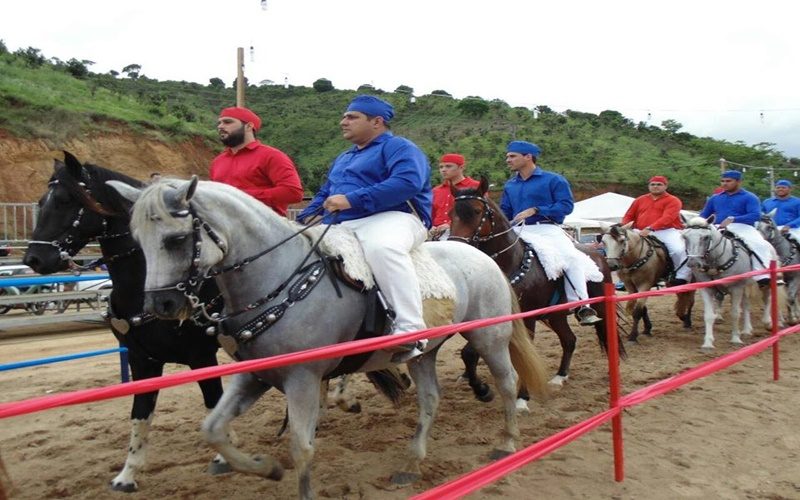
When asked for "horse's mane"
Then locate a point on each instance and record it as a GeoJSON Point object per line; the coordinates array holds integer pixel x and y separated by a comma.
{"type": "Point", "coordinates": [698, 222]}
{"type": "Point", "coordinates": [96, 183]}
{"type": "Point", "coordinates": [208, 196]}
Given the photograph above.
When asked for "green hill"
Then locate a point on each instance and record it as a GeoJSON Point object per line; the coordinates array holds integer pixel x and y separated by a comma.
{"type": "Point", "coordinates": [57, 101]}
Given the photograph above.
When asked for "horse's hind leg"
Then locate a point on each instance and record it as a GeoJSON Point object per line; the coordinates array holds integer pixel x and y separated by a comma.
{"type": "Point", "coordinates": [242, 392]}
{"type": "Point", "coordinates": [144, 406]}
{"type": "Point", "coordinates": [423, 372]}
{"type": "Point", "coordinates": [738, 304]}
{"type": "Point", "coordinates": [648, 325]}
{"type": "Point", "coordinates": [212, 392]}
{"type": "Point", "coordinates": [481, 389]}
{"type": "Point", "coordinates": [345, 400]}
{"type": "Point", "coordinates": [498, 359]}
{"type": "Point", "coordinates": [566, 337]}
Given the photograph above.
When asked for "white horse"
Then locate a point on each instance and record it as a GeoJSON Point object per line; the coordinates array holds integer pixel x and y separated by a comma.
{"type": "Point", "coordinates": [281, 302]}
{"type": "Point", "coordinates": [712, 256]}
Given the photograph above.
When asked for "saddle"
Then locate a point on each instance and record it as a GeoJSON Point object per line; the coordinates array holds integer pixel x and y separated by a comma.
{"type": "Point", "coordinates": [669, 269]}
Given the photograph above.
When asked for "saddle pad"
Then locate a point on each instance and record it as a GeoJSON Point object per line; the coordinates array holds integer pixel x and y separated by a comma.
{"type": "Point", "coordinates": [340, 241]}
{"type": "Point", "coordinates": [554, 264]}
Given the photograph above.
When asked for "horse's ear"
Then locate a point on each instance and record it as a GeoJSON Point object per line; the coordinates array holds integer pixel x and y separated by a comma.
{"type": "Point", "coordinates": [74, 165]}
{"type": "Point", "coordinates": [186, 191]}
{"type": "Point", "coordinates": [628, 226]}
{"type": "Point", "coordinates": [57, 165]}
{"type": "Point", "coordinates": [127, 191]}
{"type": "Point", "coordinates": [483, 188]}
{"type": "Point", "coordinates": [711, 218]}
{"type": "Point", "coordinates": [772, 213]}
{"type": "Point", "coordinates": [605, 227]}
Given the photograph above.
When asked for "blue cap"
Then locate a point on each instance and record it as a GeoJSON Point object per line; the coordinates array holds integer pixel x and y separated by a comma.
{"type": "Point", "coordinates": [732, 174]}
{"type": "Point", "coordinates": [783, 182]}
{"type": "Point", "coordinates": [524, 148]}
{"type": "Point", "coordinates": [372, 106]}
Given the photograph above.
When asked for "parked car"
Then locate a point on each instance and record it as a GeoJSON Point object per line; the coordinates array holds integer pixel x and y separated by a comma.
{"type": "Point", "coordinates": [22, 270]}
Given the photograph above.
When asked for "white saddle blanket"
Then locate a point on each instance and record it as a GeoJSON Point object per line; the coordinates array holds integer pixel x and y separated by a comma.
{"type": "Point", "coordinates": [340, 241]}
{"type": "Point", "coordinates": [554, 263]}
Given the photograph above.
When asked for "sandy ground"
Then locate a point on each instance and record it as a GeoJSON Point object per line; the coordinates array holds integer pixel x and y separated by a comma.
{"type": "Point", "coordinates": [731, 435]}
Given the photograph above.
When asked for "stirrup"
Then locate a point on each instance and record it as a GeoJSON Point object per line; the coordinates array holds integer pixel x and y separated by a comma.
{"type": "Point", "coordinates": [407, 352]}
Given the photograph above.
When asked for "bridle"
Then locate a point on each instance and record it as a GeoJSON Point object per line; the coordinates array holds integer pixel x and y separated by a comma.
{"type": "Point", "coordinates": [774, 237]}
{"type": "Point", "coordinates": [308, 275]}
{"type": "Point", "coordinates": [710, 248]}
{"type": "Point", "coordinates": [487, 216]}
{"type": "Point", "coordinates": [72, 242]}
{"type": "Point", "coordinates": [626, 250]}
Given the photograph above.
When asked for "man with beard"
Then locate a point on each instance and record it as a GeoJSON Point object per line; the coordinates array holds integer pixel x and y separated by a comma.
{"type": "Point", "coordinates": [265, 173]}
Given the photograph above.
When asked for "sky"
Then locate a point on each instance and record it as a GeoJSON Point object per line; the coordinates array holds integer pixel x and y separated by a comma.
{"type": "Point", "coordinates": [723, 69]}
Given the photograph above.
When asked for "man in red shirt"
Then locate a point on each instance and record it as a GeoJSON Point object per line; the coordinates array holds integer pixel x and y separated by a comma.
{"type": "Point", "coordinates": [265, 173]}
{"type": "Point", "coordinates": [451, 167]}
{"type": "Point", "coordinates": [659, 214]}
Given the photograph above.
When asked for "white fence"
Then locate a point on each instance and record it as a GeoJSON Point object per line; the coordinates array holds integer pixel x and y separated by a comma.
{"type": "Point", "coordinates": [17, 221]}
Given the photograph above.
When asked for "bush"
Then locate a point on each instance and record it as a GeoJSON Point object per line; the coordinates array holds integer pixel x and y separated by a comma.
{"type": "Point", "coordinates": [323, 85]}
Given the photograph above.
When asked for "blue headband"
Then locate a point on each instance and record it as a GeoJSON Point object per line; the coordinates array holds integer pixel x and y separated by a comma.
{"type": "Point", "coordinates": [523, 148]}
{"type": "Point", "coordinates": [732, 174]}
{"type": "Point", "coordinates": [783, 182]}
{"type": "Point", "coordinates": [372, 106]}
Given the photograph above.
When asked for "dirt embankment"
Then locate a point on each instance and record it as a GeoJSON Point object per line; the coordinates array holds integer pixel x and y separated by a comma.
{"type": "Point", "coordinates": [26, 164]}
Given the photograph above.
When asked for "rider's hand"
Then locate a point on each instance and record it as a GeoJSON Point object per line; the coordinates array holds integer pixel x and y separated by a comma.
{"type": "Point", "coordinates": [336, 202]}
{"type": "Point", "coordinates": [645, 232]}
{"type": "Point", "coordinates": [528, 212]}
{"type": "Point", "coordinates": [725, 222]}
{"type": "Point", "coordinates": [785, 229]}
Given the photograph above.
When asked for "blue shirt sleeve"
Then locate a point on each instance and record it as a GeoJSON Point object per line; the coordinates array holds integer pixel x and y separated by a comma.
{"type": "Point", "coordinates": [708, 209]}
{"type": "Point", "coordinates": [315, 207]}
{"type": "Point", "coordinates": [752, 211]}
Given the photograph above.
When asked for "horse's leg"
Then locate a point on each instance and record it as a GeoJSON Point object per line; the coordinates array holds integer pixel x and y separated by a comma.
{"type": "Point", "coordinates": [792, 285]}
{"type": "Point", "coordinates": [738, 300]}
{"type": "Point", "coordinates": [709, 316]}
{"type": "Point", "coordinates": [498, 360]}
{"type": "Point", "coordinates": [144, 406]}
{"type": "Point", "coordinates": [243, 390]}
{"type": "Point", "coordinates": [648, 325]}
{"type": "Point", "coordinates": [344, 400]}
{"type": "Point", "coordinates": [481, 389]}
{"type": "Point", "coordinates": [566, 337]}
{"type": "Point", "coordinates": [423, 372]}
{"type": "Point", "coordinates": [302, 388]}
{"type": "Point", "coordinates": [212, 392]}
{"type": "Point", "coordinates": [747, 325]}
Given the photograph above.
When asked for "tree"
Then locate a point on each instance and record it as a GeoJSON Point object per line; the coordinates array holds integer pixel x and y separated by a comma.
{"type": "Point", "coordinates": [132, 70]}
{"type": "Point", "coordinates": [33, 57]}
{"type": "Point", "coordinates": [543, 110]}
{"type": "Point", "coordinates": [78, 69]}
{"type": "Point", "coordinates": [216, 83]}
{"type": "Point", "coordinates": [404, 89]}
{"type": "Point", "coordinates": [323, 85]}
{"type": "Point", "coordinates": [671, 126]}
{"type": "Point", "coordinates": [366, 87]}
{"type": "Point", "coordinates": [473, 106]}
{"type": "Point", "coordinates": [442, 93]}
{"type": "Point", "coordinates": [3, 48]}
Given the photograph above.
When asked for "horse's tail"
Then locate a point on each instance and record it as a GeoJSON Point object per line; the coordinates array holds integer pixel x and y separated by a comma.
{"type": "Point", "coordinates": [529, 365]}
{"type": "Point", "coordinates": [391, 382]}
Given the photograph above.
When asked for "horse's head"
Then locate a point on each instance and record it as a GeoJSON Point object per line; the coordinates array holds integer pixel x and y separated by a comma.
{"type": "Point", "coordinates": [616, 239]}
{"type": "Point", "coordinates": [767, 227]}
{"type": "Point", "coordinates": [70, 215]}
{"type": "Point", "coordinates": [474, 216]}
{"type": "Point", "coordinates": [178, 246]}
{"type": "Point", "coordinates": [699, 234]}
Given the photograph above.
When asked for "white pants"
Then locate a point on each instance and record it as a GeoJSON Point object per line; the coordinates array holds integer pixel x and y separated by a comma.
{"type": "Point", "coordinates": [575, 282]}
{"type": "Point", "coordinates": [795, 232]}
{"type": "Point", "coordinates": [757, 244]}
{"type": "Point", "coordinates": [676, 247]}
{"type": "Point", "coordinates": [387, 238]}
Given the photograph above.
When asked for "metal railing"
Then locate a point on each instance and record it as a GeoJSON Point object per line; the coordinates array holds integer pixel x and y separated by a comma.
{"type": "Point", "coordinates": [17, 221]}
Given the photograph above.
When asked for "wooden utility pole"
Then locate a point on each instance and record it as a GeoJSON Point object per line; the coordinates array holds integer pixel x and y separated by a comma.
{"type": "Point", "coordinates": [240, 77]}
{"type": "Point", "coordinates": [723, 165]}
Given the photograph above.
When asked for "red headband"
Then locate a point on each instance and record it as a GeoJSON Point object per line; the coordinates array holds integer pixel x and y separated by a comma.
{"type": "Point", "coordinates": [243, 114]}
{"type": "Point", "coordinates": [659, 178]}
{"type": "Point", "coordinates": [453, 158]}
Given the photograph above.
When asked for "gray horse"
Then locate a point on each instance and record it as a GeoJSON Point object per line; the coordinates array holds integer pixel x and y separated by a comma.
{"type": "Point", "coordinates": [713, 256]}
{"type": "Point", "coordinates": [188, 229]}
{"type": "Point", "coordinates": [788, 255]}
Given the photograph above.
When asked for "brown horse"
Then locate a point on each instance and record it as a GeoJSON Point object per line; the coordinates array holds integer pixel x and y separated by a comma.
{"type": "Point", "coordinates": [640, 263]}
{"type": "Point", "coordinates": [477, 220]}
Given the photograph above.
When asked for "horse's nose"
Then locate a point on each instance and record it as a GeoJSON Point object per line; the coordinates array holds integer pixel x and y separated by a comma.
{"type": "Point", "coordinates": [613, 264]}
{"type": "Point", "coordinates": [31, 261]}
{"type": "Point", "coordinates": [164, 304]}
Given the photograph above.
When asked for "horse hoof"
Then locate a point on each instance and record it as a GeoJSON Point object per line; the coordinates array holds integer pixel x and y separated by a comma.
{"type": "Point", "coordinates": [707, 349]}
{"type": "Point", "coordinates": [354, 408]}
{"type": "Point", "coordinates": [483, 393]}
{"type": "Point", "coordinates": [498, 454]}
{"type": "Point", "coordinates": [648, 333]}
{"type": "Point", "coordinates": [404, 478]}
{"type": "Point", "coordinates": [216, 468]}
{"type": "Point", "coordinates": [124, 487]}
{"type": "Point", "coordinates": [522, 407]}
{"type": "Point", "coordinates": [557, 382]}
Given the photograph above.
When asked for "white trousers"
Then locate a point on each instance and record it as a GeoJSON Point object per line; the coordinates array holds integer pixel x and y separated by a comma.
{"type": "Point", "coordinates": [757, 244]}
{"type": "Point", "coordinates": [575, 282]}
{"type": "Point", "coordinates": [795, 232]}
{"type": "Point", "coordinates": [387, 238]}
{"type": "Point", "coordinates": [676, 247]}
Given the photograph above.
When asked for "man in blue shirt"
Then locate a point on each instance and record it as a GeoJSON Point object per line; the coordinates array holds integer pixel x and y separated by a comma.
{"type": "Point", "coordinates": [380, 189]}
{"type": "Point", "coordinates": [738, 210]}
{"type": "Point", "coordinates": [539, 200]}
{"type": "Point", "coordinates": [787, 208]}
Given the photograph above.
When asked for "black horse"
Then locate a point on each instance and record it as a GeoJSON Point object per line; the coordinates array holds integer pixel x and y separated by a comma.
{"type": "Point", "coordinates": [79, 207]}
{"type": "Point", "coordinates": [477, 220]}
